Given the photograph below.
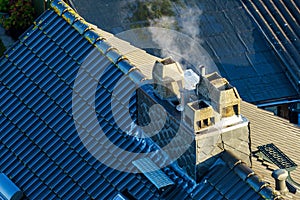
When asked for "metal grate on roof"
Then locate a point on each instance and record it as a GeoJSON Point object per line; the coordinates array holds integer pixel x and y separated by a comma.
{"type": "Point", "coordinates": [275, 155]}
{"type": "Point", "coordinates": [151, 171]}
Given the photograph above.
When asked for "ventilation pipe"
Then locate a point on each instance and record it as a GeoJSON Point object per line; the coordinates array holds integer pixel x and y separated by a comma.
{"type": "Point", "coordinates": [280, 176]}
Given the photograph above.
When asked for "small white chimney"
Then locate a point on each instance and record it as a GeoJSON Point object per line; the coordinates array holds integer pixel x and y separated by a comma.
{"type": "Point", "coordinates": [202, 70]}
{"type": "Point", "coordinates": [181, 105]}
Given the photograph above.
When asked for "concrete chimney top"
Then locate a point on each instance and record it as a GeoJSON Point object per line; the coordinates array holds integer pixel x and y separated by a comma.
{"type": "Point", "coordinates": [280, 176]}
{"type": "Point", "coordinates": [168, 78]}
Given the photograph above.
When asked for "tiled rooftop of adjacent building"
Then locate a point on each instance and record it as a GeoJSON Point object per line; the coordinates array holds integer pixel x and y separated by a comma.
{"type": "Point", "coordinates": [267, 128]}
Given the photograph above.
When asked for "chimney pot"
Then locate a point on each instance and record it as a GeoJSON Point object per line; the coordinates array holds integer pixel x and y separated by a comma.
{"type": "Point", "coordinates": [280, 176]}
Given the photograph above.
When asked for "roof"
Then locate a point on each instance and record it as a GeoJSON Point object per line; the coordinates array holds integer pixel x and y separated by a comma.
{"type": "Point", "coordinates": [229, 167]}
{"type": "Point", "coordinates": [279, 21]}
{"type": "Point", "coordinates": [267, 128]}
{"type": "Point", "coordinates": [241, 52]}
{"type": "Point", "coordinates": [8, 190]}
{"type": "Point", "coordinates": [232, 39]}
{"type": "Point", "coordinates": [137, 56]}
{"type": "Point", "coordinates": [40, 148]}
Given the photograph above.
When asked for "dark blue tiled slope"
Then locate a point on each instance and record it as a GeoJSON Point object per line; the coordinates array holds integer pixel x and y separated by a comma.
{"type": "Point", "coordinates": [279, 20]}
{"type": "Point", "coordinates": [241, 52]}
{"type": "Point", "coordinates": [40, 148]}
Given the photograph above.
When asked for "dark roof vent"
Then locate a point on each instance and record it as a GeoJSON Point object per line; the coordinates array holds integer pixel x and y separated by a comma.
{"type": "Point", "coordinates": [8, 190]}
{"type": "Point", "coordinates": [155, 175]}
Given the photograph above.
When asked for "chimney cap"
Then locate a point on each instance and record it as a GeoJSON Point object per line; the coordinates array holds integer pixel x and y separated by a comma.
{"type": "Point", "coordinates": [280, 174]}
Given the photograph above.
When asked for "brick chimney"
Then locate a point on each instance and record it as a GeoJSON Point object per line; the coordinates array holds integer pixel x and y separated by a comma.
{"type": "Point", "coordinates": [229, 130]}
{"type": "Point", "coordinates": [211, 115]}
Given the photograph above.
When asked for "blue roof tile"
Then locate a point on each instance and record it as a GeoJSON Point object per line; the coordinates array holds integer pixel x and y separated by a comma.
{"type": "Point", "coordinates": [92, 36]}
{"type": "Point", "coordinates": [59, 7]}
{"type": "Point", "coordinates": [81, 26]}
{"type": "Point", "coordinates": [102, 46]}
{"type": "Point", "coordinates": [70, 16]}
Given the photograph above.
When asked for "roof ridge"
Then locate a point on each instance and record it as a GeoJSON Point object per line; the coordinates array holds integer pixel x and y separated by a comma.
{"type": "Point", "coordinates": [247, 174]}
{"type": "Point", "coordinates": [85, 29]}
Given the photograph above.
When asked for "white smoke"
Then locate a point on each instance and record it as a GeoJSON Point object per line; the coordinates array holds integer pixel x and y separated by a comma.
{"type": "Point", "coordinates": [189, 22]}
{"type": "Point", "coordinates": [186, 47]}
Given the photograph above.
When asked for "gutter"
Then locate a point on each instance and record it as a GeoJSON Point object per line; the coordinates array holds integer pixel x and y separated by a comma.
{"type": "Point", "coordinates": [278, 103]}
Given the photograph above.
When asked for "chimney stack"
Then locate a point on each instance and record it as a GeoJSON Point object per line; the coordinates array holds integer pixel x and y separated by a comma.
{"type": "Point", "coordinates": [168, 79]}
{"type": "Point", "coordinates": [280, 176]}
{"type": "Point", "coordinates": [210, 116]}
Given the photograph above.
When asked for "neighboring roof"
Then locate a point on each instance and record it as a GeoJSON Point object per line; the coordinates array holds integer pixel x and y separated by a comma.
{"type": "Point", "coordinates": [40, 148]}
{"type": "Point", "coordinates": [279, 21]}
{"type": "Point", "coordinates": [267, 128]}
{"type": "Point", "coordinates": [241, 52]}
{"type": "Point", "coordinates": [232, 39]}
